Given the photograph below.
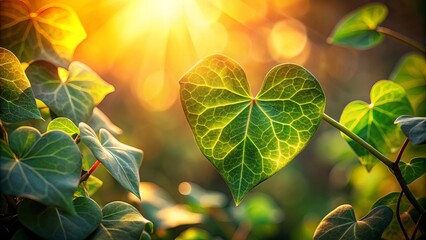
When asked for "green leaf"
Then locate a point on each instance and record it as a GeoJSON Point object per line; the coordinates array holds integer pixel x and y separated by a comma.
{"type": "Point", "coordinates": [393, 231]}
{"type": "Point", "coordinates": [64, 124]}
{"type": "Point", "coordinates": [413, 170]}
{"type": "Point", "coordinates": [342, 224]}
{"type": "Point", "coordinates": [71, 94]}
{"type": "Point", "coordinates": [17, 101]}
{"type": "Point", "coordinates": [414, 128]}
{"type": "Point", "coordinates": [100, 120]}
{"type": "Point", "coordinates": [88, 187]}
{"type": "Point", "coordinates": [45, 168]}
{"type": "Point", "coordinates": [358, 28]}
{"type": "Point", "coordinates": [53, 223]}
{"type": "Point", "coordinates": [122, 221]}
{"type": "Point", "coordinates": [248, 139]}
{"type": "Point", "coordinates": [121, 160]}
{"type": "Point", "coordinates": [374, 122]}
{"type": "Point", "coordinates": [411, 75]}
{"type": "Point", "coordinates": [52, 33]}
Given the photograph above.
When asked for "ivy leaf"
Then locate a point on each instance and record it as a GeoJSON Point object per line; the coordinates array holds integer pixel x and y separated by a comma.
{"type": "Point", "coordinates": [52, 223]}
{"type": "Point", "coordinates": [100, 120]}
{"type": "Point", "coordinates": [45, 168]}
{"type": "Point", "coordinates": [52, 33]}
{"type": "Point", "coordinates": [17, 101]}
{"type": "Point", "coordinates": [248, 139]}
{"type": "Point", "coordinates": [88, 187]}
{"type": "Point", "coordinates": [358, 28]}
{"type": "Point", "coordinates": [342, 224]}
{"type": "Point", "coordinates": [413, 170]}
{"type": "Point", "coordinates": [374, 122]}
{"type": "Point", "coordinates": [414, 128]}
{"type": "Point", "coordinates": [64, 124]}
{"type": "Point", "coordinates": [122, 161]}
{"type": "Point", "coordinates": [393, 231]}
{"type": "Point", "coordinates": [71, 94]}
{"type": "Point", "coordinates": [122, 221]}
{"type": "Point", "coordinates": [411, 75]}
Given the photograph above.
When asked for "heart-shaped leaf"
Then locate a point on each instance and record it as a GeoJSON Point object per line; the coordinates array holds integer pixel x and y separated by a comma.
{"type": "Point", "coordinates": [17, 101]}
{"type": "Point", "coordinates": [71, 94]}
{"type": "Point", "coordinates": [393, 231]}
{"type": "Point", "coordinates": [374, 122]}
{"type": "Point", "coordinates": [121, 160]}
{"type": "Point", "coordinates": [248, 139]}
{"type": "Point", "coordinates": [45, 168]}
{"type": "Point", "coordinates": [358, 28]}
{"type": "Point", "coordinates": [100, 120]}
{"type": "Point", "coordinates": [342, 224]}
{"type": "Point", "coordinates": [411, 75]}
{"type": "Point", "coordinates": [413, 170]}
{"type": "Point", "coordinates": [52, 33]}
{"type": "Point", "coordinates": [122, 221]}
{"type": "Point", "coordinates": [64, 124]}
{"type": "Point", "coordinates": [414, 128]}
{"type": "Point", "coordinates": [53, 223]}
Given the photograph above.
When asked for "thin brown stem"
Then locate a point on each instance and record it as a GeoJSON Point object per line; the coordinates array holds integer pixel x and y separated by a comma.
{"type": "Point", "coordinates": [401, 151]}
{"type": "Point", "coordinates": [398, 216]}
{"type": "Point", "coordinates": [402, 38]}
{"type": "Point", "coordinates": [85, 176]}
{"type": "Point", "coordinates": [419, 222]}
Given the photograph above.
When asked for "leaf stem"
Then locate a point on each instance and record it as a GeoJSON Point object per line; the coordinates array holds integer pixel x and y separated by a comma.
{"type": "Point", "coordinates": [419, 222]}
{"type": "Point", "coordinates": [401, 151]}
{"type": "Point", "coordinates": [400, 37]}
{"type": "Point", "coordinates": [398, 216]}
{"type": "Point", "coordinates": [85, 176]}
{"type": "Point", "coordinates": [359, 140]}
{"type": "Point", "coordinates": [382, 158]}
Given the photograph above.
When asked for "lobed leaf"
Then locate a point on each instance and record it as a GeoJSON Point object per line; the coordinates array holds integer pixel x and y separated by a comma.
{"type": "Point", "coordinates": [410, 73]}
{"type": "Point", "coordinates": [122, 161]}
{"type": "Point", "coordinates": [414, 128]}
{"type": "Point", "coordinates": [122, 221]}
{"type": "Point", "coordinates": [248, 139]}
{"type": "Point", "coordinates": [413, 170]}
{"type": "Point", "coordinates": [65, 125]}
{"type": "Point", "coordinates": [17, 101]}
{"type": "Point", "coordinates": [374, 122]}
{"type": "Point", "coordinates": [45, 168]}
{"type": "Point", "coordinates": [358, 28]}
{"type": "Point", "coordinates": [53, 223]}
{"type": "Point", "coordinates": [52, 33]}
{"type": "Point", "coordinates": [71, 94]}
{"type": "Point", "coordinates": [342, 224]}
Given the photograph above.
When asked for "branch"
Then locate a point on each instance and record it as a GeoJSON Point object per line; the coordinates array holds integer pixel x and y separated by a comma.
{"type": "Point", "coordinates": [85, 176]}
{"type": "Point", "coordinates": [400, 37]}
{"type": "Point", "coordinates": [398, 216]}
{"type": "Point", "coordinates": [382, 158]}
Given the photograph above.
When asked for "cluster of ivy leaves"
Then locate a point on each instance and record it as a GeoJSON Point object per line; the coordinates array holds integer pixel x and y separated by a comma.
{"type": "Point", "coordinates": [51, 130]}
{"type": "Point", "coordinates": [248, 139]}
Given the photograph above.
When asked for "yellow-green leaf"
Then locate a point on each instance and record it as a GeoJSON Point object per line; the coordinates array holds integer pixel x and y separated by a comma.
{"type": "Point", "coordinates": [248, 139]}
{"type": "Point", "coordinates": [410, 73]}
{"type": "Point", "coordinates": [73, 93]}
{"type": "Point", "coordinates": [358, 28]}
{"type": "Point", "coordinates": [17, 101]}
{"type": "Point", "coordinates": [374, 122]}
{"type": "Point", "coordinates": [52, 33]}
{"type": "Point", "coordinates": [63, 124]}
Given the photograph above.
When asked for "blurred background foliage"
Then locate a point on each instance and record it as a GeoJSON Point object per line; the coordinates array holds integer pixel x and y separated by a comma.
{"type": "Point", "coordinates": [143, 47]}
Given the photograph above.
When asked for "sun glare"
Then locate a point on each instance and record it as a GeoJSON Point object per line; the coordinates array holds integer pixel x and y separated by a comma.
{"type": "Point", "coordinates": [155, 42]}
